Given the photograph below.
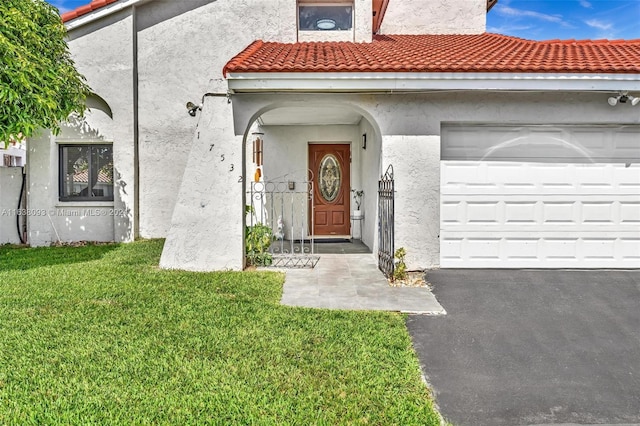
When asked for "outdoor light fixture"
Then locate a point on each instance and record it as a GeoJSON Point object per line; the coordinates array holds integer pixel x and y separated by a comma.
{"type": "Point", "coordinates": [193, 108]}
{"type": "Point", "coordinates": [623, 98]}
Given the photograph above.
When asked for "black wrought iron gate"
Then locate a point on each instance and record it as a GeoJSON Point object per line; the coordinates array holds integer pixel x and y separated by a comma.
{"type": "Point", "coordinates": [385, 222]}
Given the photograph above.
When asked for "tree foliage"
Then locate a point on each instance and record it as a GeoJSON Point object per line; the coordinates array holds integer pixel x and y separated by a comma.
{"type": "Point", "coordinates": [39, 85]}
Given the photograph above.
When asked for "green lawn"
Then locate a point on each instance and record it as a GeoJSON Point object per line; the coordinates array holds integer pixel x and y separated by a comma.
{"type": "Point", "coordinates": [99, 334]}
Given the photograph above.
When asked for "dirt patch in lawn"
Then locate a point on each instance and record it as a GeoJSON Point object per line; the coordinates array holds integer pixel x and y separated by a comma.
{"type": "Point", "coordinates": [414, 279]}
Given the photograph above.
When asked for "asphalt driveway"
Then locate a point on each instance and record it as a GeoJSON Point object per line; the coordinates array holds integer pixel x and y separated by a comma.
{"type": "Point", "coordinates": [533, 347]}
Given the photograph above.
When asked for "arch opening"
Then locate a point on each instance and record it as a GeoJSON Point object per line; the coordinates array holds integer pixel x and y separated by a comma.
{"type": "Point", "coordinates": [294, 135]}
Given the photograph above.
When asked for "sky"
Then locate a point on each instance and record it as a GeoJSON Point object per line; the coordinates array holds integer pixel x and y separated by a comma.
{"type": "Point", "coordinates": [566, 19]}
{"type": "Point", "coordinates": [540, 19]}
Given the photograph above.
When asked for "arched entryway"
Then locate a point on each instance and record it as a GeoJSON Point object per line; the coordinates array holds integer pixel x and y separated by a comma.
{"type": "Point", "coordinates": [311, 172]}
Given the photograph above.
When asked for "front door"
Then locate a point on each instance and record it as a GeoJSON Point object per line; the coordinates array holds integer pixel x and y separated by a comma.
{"type": "Point", "coordinates": [330, 167]}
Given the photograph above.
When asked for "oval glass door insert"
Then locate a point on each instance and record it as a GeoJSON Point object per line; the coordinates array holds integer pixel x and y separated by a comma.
{"type": "Point", "coordinates": [329, 178]}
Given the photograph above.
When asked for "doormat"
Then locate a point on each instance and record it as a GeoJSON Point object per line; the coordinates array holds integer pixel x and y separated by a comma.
{"type": "Point", "coordinates": [317, 240]}
{"type": "Point", "coordinates": [332, 240]}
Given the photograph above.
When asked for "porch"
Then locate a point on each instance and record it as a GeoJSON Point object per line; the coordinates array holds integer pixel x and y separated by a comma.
{"type": "Point", "coordinates": [311, 182]}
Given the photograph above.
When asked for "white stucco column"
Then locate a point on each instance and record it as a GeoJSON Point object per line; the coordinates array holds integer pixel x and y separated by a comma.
{"type": "Point", "coordinates": [206, 231]}
{"type": "Point", "coordinates": [416, 164]}
{"type": "Point", "coordinates": [10, 183]}
{"type": "Point", "coordinates": [41, 188]}
{"type": "Point", "coordinates": [363, 21]}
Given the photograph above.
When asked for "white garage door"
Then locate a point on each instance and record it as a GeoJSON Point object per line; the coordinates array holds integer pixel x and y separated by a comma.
{"type": "Point", "coordinates": [540, 197]}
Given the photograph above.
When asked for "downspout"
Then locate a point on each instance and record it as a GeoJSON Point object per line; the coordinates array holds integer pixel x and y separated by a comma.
{"type": "Point", "coordinates": [22, 230]}
{"type": "Point", "coordinates": [136, 131]}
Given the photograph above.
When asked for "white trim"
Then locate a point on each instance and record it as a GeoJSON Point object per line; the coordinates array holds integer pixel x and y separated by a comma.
{"type": "Point", "coordinates": [101, 13]}
{"type": "Point", "coordinates": [405, 81]}
{"type": "Point", "coordinates": [76, 141]}
{"type": "Point", "coordinates": [91, 204]}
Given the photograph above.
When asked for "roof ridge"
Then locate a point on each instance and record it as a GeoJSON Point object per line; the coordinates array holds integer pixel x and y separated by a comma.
{"type": "Point", "coordinates": [599, 41]}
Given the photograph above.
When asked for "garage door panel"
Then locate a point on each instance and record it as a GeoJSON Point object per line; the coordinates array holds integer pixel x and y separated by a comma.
{"type": "Point", "coordinates": [598, 177]}
{"type": "Point", "coordinates": [599, 248]}
{"type": "Point", "coordinates": [630, 249]}
{"type": "Point", "coordinates": [630, 212]}
{"type": "Point", "coordinates": [533, 196]}
{"type": "Point", "coordinates": [591, 141]}
{"type": "Point", "coordinates": [522, 250]}
{"type": "Point", "coordinates": [521, 212]}
{"type": "Point", "coordinates": [483, 212]}
{"type": "Point", "coordinates": [599, 212]}
{"type": "Point", "coordinates": [476, 177]}
{"type": "Point", "coordinates": [560, 212]}
{"type": "Point", "coordinates": [629, 177]}
{"type": "Point", "coordinates": [452, 212]}
{"type": "Point", "coordinates": [625, 142]}
{"type": "Point", "coordinates": [549, 144]}
{"type": "Point", "coordinates": [550, 213]}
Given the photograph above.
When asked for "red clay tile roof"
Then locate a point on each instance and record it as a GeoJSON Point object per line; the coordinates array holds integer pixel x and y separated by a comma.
{"type": "Point", "coordinates": [87, 8]}
{"type": "Point", "coordinates": [442, 53]}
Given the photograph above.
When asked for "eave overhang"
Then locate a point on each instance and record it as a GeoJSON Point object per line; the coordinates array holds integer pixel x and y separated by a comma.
{"type": "Point", "coordinates": [327, 82]}
{"type": "Point", "coordinates": [100, 13]}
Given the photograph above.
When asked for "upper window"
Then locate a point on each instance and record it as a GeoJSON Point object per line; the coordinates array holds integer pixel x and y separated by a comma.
{"type": "Point", "coordinates": [86, 172]}
{"type": "Point", "coordinates": [325, 17]}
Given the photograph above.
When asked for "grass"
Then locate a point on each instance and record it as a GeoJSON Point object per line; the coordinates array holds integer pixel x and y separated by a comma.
{"type": "Point", "coordinates": [98, 334]}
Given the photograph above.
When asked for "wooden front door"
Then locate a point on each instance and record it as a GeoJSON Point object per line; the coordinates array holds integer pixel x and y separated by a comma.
{"type": "Point", "coordinates": [331, 169]}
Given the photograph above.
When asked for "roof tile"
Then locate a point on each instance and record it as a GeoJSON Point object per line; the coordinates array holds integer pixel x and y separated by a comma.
{"type": "Point", "coordinates": [87, 8]}
{"type": "Point", "coordinates": [442, 53]}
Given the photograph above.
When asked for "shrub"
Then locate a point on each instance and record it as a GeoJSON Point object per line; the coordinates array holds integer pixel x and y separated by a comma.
{"type": "Point", "coordinates": [258, 239]}
{"type": "Point", "coordinates": [400, 269]}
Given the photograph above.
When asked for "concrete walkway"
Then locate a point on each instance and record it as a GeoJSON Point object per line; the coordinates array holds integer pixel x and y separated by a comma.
{"type": "Point", "coordinates": [353, 282]}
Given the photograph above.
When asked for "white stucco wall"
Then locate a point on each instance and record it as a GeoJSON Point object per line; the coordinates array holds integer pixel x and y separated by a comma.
{"type": "Point", "coordinates": [182, 46]}
{"type": "Point", "coordinates": [10, 183]}
{"type": "Point", "coordinates": [207, 225]}
{"type": "Point", "coordinates": [363, 10]}
{"type": "Point", "coordinates": [103, 54]}
{"type": "Point", "coordinates": [415, 161]}
{"type": "Point", "coordinates": [410, 126]}
{"type": "Point", "coordinates": [63, 221]}
{"type": "Point", "coordinates": [435, 17]}
{"type": "Point", "coordinates": [369, 169]}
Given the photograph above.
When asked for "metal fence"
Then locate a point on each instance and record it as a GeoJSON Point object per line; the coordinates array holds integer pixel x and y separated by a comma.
{"type": "Point", "coordinates": [279, 224]}
{"type": "Point", "coordinates": [386, 222]}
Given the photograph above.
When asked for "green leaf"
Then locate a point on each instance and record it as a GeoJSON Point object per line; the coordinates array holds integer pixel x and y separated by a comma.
{"type": "Point", "coordinates": [39, 84]}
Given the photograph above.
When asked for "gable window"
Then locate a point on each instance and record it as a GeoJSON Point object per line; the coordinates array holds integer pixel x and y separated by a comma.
{"type": "Point", "coordinates": [337, 16]}
{"type": "Point", "coordinates": [86, 172]}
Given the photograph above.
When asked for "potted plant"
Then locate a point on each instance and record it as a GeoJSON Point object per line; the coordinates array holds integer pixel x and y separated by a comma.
{"type": "Point", "coordinates": [357, 198]}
